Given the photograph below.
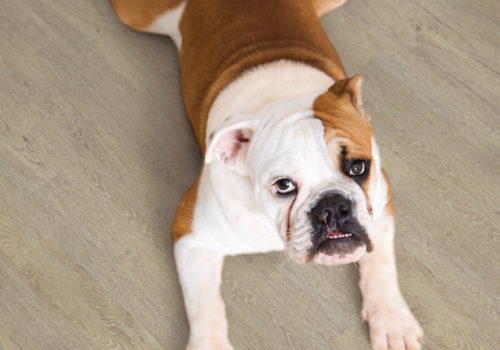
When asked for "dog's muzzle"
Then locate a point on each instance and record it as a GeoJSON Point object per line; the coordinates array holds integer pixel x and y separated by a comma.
{"type": "Point", "coordinates": [335, 228]}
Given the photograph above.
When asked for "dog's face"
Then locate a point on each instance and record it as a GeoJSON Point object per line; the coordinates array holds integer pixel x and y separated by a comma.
{"type": "Point", "coordinates": [310, 174]}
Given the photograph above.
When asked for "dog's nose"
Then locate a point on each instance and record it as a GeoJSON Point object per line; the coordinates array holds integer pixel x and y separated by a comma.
{"type": "Point", "coordinates": [332, 210]}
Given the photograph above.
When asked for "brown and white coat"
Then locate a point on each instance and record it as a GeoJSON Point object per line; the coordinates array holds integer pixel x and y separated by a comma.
{"type": "Point", "coordinates": [253, 71]}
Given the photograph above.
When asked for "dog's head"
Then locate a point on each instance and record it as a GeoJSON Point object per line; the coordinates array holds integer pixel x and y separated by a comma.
{"type": "Point", "coordinates": [313, 173]}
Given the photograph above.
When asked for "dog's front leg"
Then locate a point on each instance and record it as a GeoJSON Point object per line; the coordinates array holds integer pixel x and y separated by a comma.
{"type": "Point", "coordinates": [392, 325]}
{"type": "Point", "coordinates": [200, 272]}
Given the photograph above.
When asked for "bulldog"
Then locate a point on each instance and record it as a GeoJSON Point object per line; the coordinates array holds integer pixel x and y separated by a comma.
{"type": "Point", "coordinates": [290, 160]}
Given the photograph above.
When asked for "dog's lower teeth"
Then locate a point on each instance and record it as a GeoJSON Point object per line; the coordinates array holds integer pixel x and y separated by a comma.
{"type": "Point", "coordinates": [340, 236]}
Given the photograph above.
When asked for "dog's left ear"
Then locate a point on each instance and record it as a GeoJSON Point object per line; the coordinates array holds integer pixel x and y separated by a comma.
{"type": "Point", "coordinates": [230, 144]}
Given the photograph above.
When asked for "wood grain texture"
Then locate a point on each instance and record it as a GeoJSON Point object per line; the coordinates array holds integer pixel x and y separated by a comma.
{"type": "Point", "coordinates": [96, 153]}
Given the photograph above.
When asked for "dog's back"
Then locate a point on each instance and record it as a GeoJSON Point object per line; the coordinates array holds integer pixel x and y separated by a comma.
{"type": "Point", "coordinates": [141, 15]}
{"type": "Point", "coordinates": [221, 39]}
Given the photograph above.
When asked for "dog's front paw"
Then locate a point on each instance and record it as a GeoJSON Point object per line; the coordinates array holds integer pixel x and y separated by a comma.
{"type": "Point", "coordinates": [393, 327]}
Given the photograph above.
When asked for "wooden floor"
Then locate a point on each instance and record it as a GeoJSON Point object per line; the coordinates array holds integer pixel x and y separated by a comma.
{"type": "Point", "coordinates": [96, 152]}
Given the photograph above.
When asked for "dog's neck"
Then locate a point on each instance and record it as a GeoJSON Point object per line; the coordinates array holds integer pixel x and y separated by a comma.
{"type": "Point", "coordinates": [275, 89]}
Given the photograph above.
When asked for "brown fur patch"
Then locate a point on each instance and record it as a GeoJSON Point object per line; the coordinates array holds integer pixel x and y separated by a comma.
{"type": "Point", "coordinates": [185, 212]}
{"type": "Point", "coordinates": [139, 14]}
{"type": "Point", "coordinates": [341, 119]}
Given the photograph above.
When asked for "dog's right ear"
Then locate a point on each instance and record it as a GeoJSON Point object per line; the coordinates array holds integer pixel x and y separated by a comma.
{"type": "Point", "coordinates": [230, 144]}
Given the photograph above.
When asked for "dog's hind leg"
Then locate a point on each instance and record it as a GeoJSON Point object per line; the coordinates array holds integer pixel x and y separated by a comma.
{"type": "Point", "coordinates": [152, 16]}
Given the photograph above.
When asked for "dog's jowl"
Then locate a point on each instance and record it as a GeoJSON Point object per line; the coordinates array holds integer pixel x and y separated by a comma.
{"type": "Point", "coordinates": [290, 160]}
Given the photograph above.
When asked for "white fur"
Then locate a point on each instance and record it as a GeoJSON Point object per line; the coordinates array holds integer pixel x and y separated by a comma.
{"type": "Point", "coordinates": [282, 87]}
{"type": "Point", "coordinates": [168, 24]}
{"type": "Point", "coordinates": [378, 193]}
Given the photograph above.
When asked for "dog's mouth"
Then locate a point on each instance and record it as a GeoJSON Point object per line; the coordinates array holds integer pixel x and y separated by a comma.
{"type": "Point", "coordinates": [336, 230]}
{"type": "Point", "coordinates": [328, 246]}
{"type": "Point", "coordinates": [333, 232]}
{"type": "Point", "coordinates": [331, 241]}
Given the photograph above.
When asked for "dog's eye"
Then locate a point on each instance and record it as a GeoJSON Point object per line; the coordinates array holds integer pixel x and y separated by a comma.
{"type": "Point", "coordinates": [356, 168]}
{"type": "Point", "coordinates": [285, 186]}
